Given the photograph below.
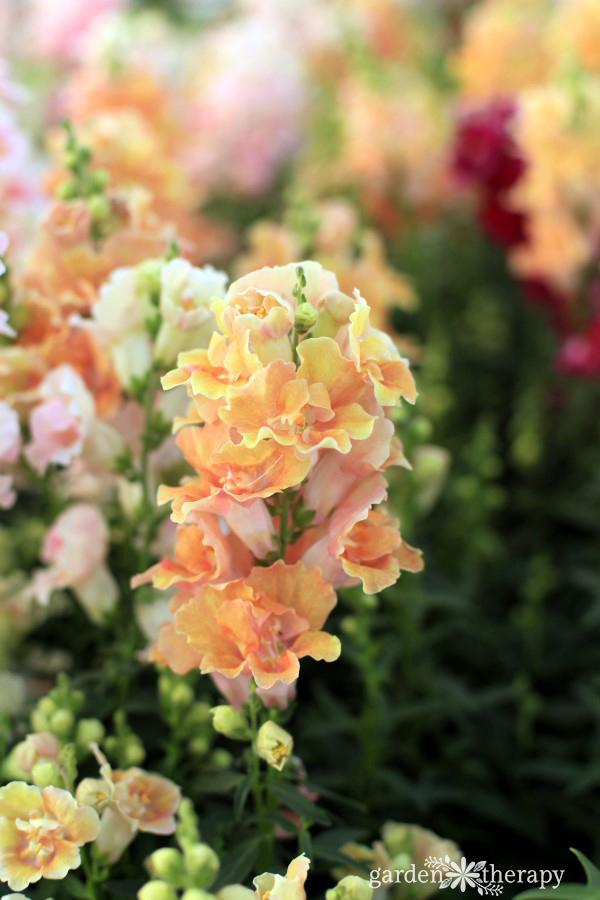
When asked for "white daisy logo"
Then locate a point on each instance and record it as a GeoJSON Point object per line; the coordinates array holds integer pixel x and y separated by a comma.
{"type": "Point", "coordinates": [463, 875]}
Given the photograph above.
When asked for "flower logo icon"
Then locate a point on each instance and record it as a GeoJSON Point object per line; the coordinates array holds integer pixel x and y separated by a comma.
{"type": "Point", "coordinates": [463, 875]}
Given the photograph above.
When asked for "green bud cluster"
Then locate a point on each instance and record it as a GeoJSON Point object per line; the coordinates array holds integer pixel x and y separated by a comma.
{"type": "Point", "coordinates": [56, 712]}
{"type": "Point", "coordinates": [85, 184]}
{"type": "Point", "coordinates": [124, 746]}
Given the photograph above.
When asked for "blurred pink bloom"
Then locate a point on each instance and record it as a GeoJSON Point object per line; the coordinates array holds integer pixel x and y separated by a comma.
{"type": "Point", "coordinates": [75, 549]}
{"type": "Point", "coordinates": [62, 422]}
{"type": "Point", "coordinates": [10, 448]}
{"type": "Point", "coordinates": [10, 434]}
{"type": "Point", "coordinates": [59, 27]}
{"type": "Point", "coordinates": [36, 748]}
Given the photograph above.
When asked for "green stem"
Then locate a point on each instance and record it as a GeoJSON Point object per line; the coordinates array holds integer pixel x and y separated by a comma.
{"type": "Point", "coordinates": [260, 790]}
{"type": "Point", "coordinates": [284, 513]}
{"type": "Point", "coordinates": [93, 889]}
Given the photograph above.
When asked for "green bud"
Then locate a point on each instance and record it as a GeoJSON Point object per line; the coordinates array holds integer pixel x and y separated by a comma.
{"type": "Point", "coordinates": [181, 695]}
{"type": "Point", "coordinates": [67, 190]}
{"type": "Point", "coordinates": [99, 179]}
{"type": "Point", "coordinates": [350, 888]}
{"type": "Point", "coordinates": [202, 864]}
{"type": "Point", "coordinates": [230, 722]}
{"type": "Point", "coordinates": [157, 890]}
{"type": "Point", "coordinates": [221, 758]}
{"type": "Point", "coordinates": [199, 714]}
{"type": "Point", "coordinates": [47, 706]}
{"type": "Point", "coordinates": [134, 753]}
{"type": "Point", "coordinates": [148, 276]}
{"type": "Point", "coordinates": [166, 864]}
{"type": "Point", "coordinates": [99, 207]}
{"type": "Point", "coordinates": [306, 316]}
{"type": "Point", "coordinates": [62, 723]}
{"type": "Point", "coordinates": [89, 731]}
{"type": "Point", "coordinates": [199, 745]}
{"type": "Point", "coordinates": [235, 892]}
{"type": "Point", "coordinates": [39, 721]}
{"type": "Point", "coordinates": [349, 625]}
{"type": "Point", "coordinates": [45, 774]}
{"type": "Point", "coordinates": [197, 894]}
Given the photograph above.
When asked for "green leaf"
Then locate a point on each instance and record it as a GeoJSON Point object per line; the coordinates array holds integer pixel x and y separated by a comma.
{"type": "Point", "coordinates": [241, 795]}
{"type": "Point", "coordinates": [238, 863]}
{"type": "Point", "coordinates": [592, 873]}
{"type": "Point", "coordinates": [563, 892]}
{"type": "Point", "coordinates": [296, 802]}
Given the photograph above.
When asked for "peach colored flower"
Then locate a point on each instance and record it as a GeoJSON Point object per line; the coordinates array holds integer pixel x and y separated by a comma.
{"type": "Point", "coordinates": [337, 412]}
{"type": "Point", "coordinates": [378, 360]}
{"type": "Point", "coordinates": [41, 832]}
{"type": "Point", "coordinates": [359, 542]}
{"type": "Point", "coordinates": [284, 887]}
{"type": "Point", "coordinates": [75, 549]}
{"type": "Point", "coordinates": [131, 800]}
{"type": "Point", "coordinates": [261, 625]}
{"type": "Point", "coordinates": [230, 471]}
{"type": "Point", "coordinates": [269, 406]}
{"type": "Point", "coordinates": [202, 554]}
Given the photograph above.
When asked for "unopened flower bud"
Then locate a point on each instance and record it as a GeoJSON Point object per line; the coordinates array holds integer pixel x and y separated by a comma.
{"type": "Point", "coordinates": [230, 722]}
{"type": "Point", "coordinates": [197, 894]}
{"type": "Point", "coordinates": [89, 731]}
{"type": "Point", "coordinates": [236, 892]}
{"type": "Point", "coordinates": [199, 714]}
{"type": "Point", "coordinates": [99, 207]}
{"type": "Point", "coordinates": [306, 316]}
{"type": "Point", "coordinates": [166, 864]}
{"type": "Point", "coordinates": [181, 695]}
{"type": "Point", "coordinates": [157, 890]}
{"type": "Point", "coordinates": [350, 888]}
{"type": "Point", "coordinates": [45, 774]}
{"type": "Point", "coordinates": [199, 745]}
{"type": "Point", "coordinates": [134, 752]}
{"type": "Point", "coordinates": [221, 758]}
{"type": "Point", "coordinates": [274, 745]}
{"type": "Point", "coordinates": [202, 864]}
{"type": "Point", "coordinates": [62, 723]}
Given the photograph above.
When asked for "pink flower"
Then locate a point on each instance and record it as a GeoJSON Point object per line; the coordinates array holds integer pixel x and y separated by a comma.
{"type": "Point", "coordinates": [36, 748]}
{"type": "Point", "coordinates": [75, 550]}
{"type": "Point", "coordinates": [10, 434]}
{"type": "Point", "coordinates": [63, 420]}
{"type": "Point", "coordinates": [237, 690]}
{"type": "Point", "coordinates": [59, 27]}
{"type": "Point", "coordinates": [10, 448]}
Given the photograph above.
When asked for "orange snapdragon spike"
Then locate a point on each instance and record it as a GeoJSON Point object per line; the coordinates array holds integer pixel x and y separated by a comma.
{"type": "Point", "coordinates": [261, 625]}
{"type": "Point", "coordinates": [41, 832]}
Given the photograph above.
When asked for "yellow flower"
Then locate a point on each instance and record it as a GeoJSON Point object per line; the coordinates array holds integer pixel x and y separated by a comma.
{"type": "Point", "coordinates": [284, 887]}
{"type": "Point", "coordinates": [41, 832]}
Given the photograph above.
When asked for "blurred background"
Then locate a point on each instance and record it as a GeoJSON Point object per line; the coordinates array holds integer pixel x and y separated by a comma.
{"type": "Point", "coordinates": [443, 157]}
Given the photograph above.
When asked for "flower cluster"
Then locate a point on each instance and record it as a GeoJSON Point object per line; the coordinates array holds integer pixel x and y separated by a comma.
{"type": "Point", "coordinates": [287, 436]}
